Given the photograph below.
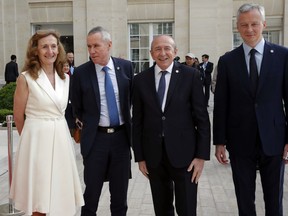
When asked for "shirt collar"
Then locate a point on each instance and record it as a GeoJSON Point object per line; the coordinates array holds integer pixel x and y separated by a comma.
{"type": "Point", "coordinates": [259, 47]}
{"type": "Point", "coordinates": [110, 65]}
{"type": "Point", "coordinates": [157, 69]}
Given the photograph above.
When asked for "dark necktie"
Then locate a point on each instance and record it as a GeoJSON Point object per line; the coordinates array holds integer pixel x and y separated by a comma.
{"type": "Point", "coordinates": [253, 72]}
{"type": "Point", "coordinates": [111, 99]}
{"type": "Point", "coordinates": [161, 87]}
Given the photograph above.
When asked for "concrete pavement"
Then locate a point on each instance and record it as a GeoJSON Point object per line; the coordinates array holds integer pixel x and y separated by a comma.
{"type": "Point", "coordinates": [216, 195]}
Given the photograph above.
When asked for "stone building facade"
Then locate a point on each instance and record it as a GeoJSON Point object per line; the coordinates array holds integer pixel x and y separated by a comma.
{"type": "Point", "coordinates": [200, 27]}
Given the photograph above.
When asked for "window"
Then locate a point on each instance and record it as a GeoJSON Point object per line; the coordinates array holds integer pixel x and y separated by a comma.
{"type": "Point", "coordinates": [141, 36]}
{"type": "Point", "coordinates": [270, 36]}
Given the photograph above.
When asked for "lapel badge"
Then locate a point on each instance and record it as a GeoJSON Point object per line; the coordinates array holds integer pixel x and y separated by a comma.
{"type": "Point", "coordinates": [272, 51]}
{"type": "Point", "coordinates": [177, 71]}
{"type": "Point", "coordinates": [118, 68]}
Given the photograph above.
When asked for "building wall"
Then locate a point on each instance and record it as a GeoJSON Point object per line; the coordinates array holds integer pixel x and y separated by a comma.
{"type": "Point", "coordinates": [200, 26]}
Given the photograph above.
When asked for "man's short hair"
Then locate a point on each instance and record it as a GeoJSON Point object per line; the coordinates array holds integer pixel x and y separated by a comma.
{"type": "Point", "coordinates": [13, 57]}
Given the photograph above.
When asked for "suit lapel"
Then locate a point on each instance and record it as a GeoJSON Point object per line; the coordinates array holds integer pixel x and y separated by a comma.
{"type": "Point", "coordinates": [265, 65]}
{"type": "Point", "coordinates": [46, 86]}
{"type": "Point", "coordinates": [151, 85]}
{"type": "Point", "coordinates": [61, 91]}
{"type": "Point", "coordinates": [120, 81]}
{"type": "Point", "coordinates": [94, 81]}
{"type": "Point", "coordinates": [242, 74]}
{"type": "Point", "coordinates": [175, 75]}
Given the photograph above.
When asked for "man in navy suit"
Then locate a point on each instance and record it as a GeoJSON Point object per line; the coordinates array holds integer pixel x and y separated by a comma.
{"type": "Point", "coordinates": [105, 146]}
{"type": "Point", "coordinates": [171, 133]}
{"type": "Point", "coordinates": [252, 124]}
{"type": "Point", "coordinates": [206, 69]}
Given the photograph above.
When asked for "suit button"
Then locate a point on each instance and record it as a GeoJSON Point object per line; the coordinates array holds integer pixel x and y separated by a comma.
{"type": "Point", "coordinates": [163, 118]}
{"type": "Point", "coordinates": [255, 105]}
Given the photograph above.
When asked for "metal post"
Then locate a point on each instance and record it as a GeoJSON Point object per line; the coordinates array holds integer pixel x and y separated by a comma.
{"type": "Point", "coordinates": [8, 209]}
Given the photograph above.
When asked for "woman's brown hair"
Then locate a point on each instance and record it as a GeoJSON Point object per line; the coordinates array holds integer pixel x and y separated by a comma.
{"type": "Point", "coordinates": [32, 63]}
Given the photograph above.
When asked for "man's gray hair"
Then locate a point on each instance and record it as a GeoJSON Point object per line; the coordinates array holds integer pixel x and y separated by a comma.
{"type": "Point", "coordinates": [251, 6]}
{"type": "Point", "coordinates": [104, 33]}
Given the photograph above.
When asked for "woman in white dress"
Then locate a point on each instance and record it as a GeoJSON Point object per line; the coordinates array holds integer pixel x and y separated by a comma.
{"type": "Point", "coordinates": [45, 179]}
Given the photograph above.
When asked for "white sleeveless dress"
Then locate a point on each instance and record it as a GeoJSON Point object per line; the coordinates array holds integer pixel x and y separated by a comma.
{"type": "Point", "coordinates": [45, 178]}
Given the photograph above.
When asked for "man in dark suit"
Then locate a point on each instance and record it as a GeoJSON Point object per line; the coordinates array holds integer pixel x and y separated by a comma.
{"type": "Point", "coordinates": [11, 70]}
{"type": "Point", "coordinates": [206, 69]}
{"type": "Point", "coordinates": [70, 59]}
{"type": "Point", "coordinates": [171, 139]}
{"type": "Point", "coordinates": [250, 118]}
{"type": "Point", "coordinates": [105, 140]}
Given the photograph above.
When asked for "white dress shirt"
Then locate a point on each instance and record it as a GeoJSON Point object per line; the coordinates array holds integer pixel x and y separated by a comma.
{"type": "Point", "coordinates": [157, 71]}
{"type": "Point", "coordinates": [258, 55]}
{"type": "Point", "coordinates": [104, 115]}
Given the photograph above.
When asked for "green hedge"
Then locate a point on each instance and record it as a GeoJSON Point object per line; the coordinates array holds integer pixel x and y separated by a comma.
{"type": "Point", "coordinates": [6, 101]}
{"type": "Point", "coordinates": [4, 113]}
{"type": "Point", "coordinates": [7, 95]}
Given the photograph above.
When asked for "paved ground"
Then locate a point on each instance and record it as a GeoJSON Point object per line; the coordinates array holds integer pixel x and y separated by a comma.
{"type": "Point", "coordinates": [215, 197]}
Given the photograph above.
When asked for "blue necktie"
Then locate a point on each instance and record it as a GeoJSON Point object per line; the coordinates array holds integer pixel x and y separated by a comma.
{"type": "Point", "coordinates": [111, 100]}
{"type": "Point", "coordinates": [253, 72]}
{"type": "Point", "coordinates": [161, 87]}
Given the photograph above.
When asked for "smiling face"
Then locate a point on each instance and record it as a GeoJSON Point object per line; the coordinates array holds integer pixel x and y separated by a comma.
{"type": "Point", "coordinates": [250, 26]}
{"type": "Point", "coordinates": [47, 50]}
{"type": "Point", "coordinates": [163, 51]}
{"type": "Point", "coordinates": [66, 67]}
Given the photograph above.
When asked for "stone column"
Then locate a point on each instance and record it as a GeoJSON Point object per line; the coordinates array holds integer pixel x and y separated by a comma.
{"type": "Point", "coordinates": [285, 24]}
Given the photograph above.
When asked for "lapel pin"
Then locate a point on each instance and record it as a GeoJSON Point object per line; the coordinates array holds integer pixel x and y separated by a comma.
{"type": "Point", "coordinates": [118, 68]}
{"type": "Point", "coordinates": [177, 71]}
{"type": "Point", "coordinates": [271, 51]}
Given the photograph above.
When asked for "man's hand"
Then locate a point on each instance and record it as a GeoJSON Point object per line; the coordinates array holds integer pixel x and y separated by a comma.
{"type": "Point", "coordinates": [196, 166]}
{"type": "Point", "coordinates": [143, 168]}
{"type": "Point", "coordinates": [220, 153]}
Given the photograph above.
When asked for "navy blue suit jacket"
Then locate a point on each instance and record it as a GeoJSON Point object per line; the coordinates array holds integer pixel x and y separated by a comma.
{"type": "Point", "coordinates": [238, 116]}
{"type": "Point", "coordinates": [86, 98]}
{"type": "Point", "coordinates": [185, 120]}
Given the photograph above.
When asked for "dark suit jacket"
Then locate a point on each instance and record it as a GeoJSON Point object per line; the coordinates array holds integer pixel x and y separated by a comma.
{"type": "Point", "coordinates": [86, 98]}
{"type": "Point", "coordinates": [208, 70]}
{"type": "Point", "coordinates": [11, 71]}
{"type": "Point", "coordinates": [237, 116]}
{"type": "Point", "coordinates": [185, 121]}
{"type": "Point", "coordinates": [69, 114]}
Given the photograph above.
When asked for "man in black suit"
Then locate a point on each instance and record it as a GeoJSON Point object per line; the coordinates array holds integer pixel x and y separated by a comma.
{"type": "Point", "coordinates": [206, 69]}
{"type": "Point", "coordinates": [250, 118]}
{"type": "Point", "coordinates": [11, 70]}
{"type": "Point", "coordinates": [105, 140]}
{"type": "Point", "coordinates": [171, 139]}
{"type": "Point", "coordinates": [70, 59]}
